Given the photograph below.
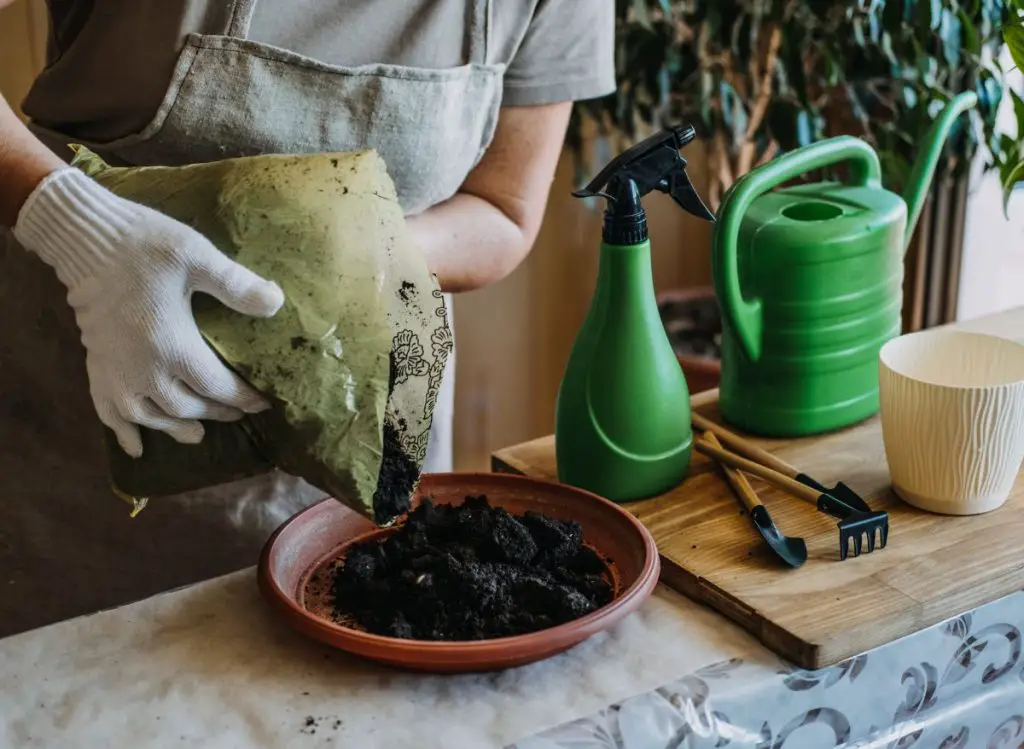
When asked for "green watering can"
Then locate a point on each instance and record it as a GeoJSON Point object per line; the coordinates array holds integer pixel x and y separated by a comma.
{"type": "Point", "coordinates": [810, 283]}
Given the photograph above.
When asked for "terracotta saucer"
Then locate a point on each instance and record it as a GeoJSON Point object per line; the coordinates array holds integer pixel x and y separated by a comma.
{"type": "Point", "coordinates": [323, 531]}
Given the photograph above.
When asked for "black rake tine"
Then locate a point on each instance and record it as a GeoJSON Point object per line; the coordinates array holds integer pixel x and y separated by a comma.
{"type": "Point", "coordinates": [857, 534]}
{"type": "Point", "coordinates": [851, 543]}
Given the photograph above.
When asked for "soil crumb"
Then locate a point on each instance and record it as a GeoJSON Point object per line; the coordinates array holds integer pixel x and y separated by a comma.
{"type": "Point", "coordinates": [469, 572]}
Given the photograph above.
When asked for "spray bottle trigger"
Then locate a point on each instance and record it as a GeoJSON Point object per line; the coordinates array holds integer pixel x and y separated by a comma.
{"type": "Point", "coordinates": [586, 192]}
{"type": "Point", "coordinates": [682, 191]}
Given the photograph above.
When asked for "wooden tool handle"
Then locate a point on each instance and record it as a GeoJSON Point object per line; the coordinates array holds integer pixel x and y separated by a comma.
{"type": "Point", "coordinates": [741, 487]}
{"type": "Point", "coordinates": [794, 487]}
{"type": "Point", "coordinates": [744, 447]}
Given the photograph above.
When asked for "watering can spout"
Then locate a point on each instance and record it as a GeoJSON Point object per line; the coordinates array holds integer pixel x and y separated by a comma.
{"type": "Point", "coordinates": [923, 170]}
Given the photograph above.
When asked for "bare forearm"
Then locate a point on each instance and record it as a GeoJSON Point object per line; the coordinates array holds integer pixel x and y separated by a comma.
{"type": "Point", "coordinates": [24, 161]}
{"type": "Point", "coordinates": [485, 231]}
{"type": "Point", "coordinates": [469, 243]}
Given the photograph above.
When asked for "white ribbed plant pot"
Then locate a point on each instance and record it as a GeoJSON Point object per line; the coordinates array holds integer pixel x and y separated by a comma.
{"type": "Point", "coordinates": [952, 408]}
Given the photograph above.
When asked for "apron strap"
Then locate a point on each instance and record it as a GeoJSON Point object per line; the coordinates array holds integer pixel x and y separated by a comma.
{"type": "Point", "coordinates": [241, 17]}
{"type": "Point", "coordinates": [477, 12]}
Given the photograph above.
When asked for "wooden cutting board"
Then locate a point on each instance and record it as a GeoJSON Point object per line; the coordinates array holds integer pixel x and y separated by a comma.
{"type": "Point", "coordinates": [934, 568]}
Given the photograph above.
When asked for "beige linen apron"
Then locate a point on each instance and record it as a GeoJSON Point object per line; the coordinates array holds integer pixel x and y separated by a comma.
{"type": "Point", "coordinates": [67, 546]}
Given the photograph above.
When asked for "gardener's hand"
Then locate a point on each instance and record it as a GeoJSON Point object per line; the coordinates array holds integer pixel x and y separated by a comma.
{"type": "Point", "coordinates": [130, 273]}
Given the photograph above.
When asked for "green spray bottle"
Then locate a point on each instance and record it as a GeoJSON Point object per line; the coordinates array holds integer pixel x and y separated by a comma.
{"type": "Point", "coordinates": [622, 422]}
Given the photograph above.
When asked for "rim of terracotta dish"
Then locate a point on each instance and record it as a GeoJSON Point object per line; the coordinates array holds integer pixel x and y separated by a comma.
{"type": "Point", "coordinates": [647, 578]}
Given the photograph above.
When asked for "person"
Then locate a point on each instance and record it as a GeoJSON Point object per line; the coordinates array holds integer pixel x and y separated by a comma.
{"type": "Point", "coordinates": [467, 101]}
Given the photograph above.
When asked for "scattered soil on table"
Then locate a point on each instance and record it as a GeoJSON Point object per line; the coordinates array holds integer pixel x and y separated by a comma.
{"type": "Point", "coordinates": [311, 723]}
{"type": "Point", "coordinates": [467, 572]}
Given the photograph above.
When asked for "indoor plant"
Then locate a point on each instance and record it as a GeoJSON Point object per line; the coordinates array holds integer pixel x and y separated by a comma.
{"type": "Point", "coordinates": [1011, 155]}
{"type": "Point", "coordinates": [758, 77]}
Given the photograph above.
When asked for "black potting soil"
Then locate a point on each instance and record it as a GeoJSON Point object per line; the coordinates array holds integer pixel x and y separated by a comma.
{"type": "Point", "coordinates": [398, 474]}
{"type": "Point", "coordinates": [396, 480]}
{"type": "Point", "coordinates": [470, 572]}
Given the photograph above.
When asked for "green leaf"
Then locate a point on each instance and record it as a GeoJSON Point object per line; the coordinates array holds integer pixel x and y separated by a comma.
{"type": "Point", "coordinates": [642, 13]}
{"type": "Point", "coordinates": [858, 32]}
{"type": "Point", "coordinates": [928, 13]}
{"type": "Point", "coordinates": [972, 42]}
{"type": "Point", "coordinates": [1018, 110]}
{"type": "Point", "coordinates": [909, 97]}
{"type": "Point", "coordinates": [990, 93]}
{"type": "Point", "coordinates": [856, 106]}
{"type": "Point", "coordinates": [929, 70]}
{"type": "Point", "coordinates": [739, 126]}
{"type": "Point", "coordinates": [833, 68]}
{"type": "Point", "coordinates": [949, 31]}
{"type": "Point", "coordinates": [804, 128]}
{"type": "Point", "coordinates": [1009, 184]}
{"type": "Point", "coordinates": [887, 50]}
{"type": "Point", "coordinates": [727, 98]}
{"type": "Point", "coordinates": [1014, 38]}
{"type": "Point", "coordinates": [782, 79]}
{"type": "Point", "coordinates": [734, 40]}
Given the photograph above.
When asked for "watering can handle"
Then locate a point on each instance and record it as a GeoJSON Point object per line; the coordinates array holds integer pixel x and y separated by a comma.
{"type": "Point", "coordinates": [743, 315]}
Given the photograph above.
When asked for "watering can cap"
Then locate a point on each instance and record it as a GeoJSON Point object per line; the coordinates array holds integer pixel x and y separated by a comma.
{"type": "Point", "coordinates": [653, 164]}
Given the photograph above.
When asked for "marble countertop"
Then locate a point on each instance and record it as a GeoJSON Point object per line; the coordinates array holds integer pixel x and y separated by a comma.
{"type": "Point", "coordinates": [211, 665]}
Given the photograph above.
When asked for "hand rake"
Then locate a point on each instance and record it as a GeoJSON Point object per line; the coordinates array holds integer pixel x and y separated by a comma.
{"type": "Point", "coordinates": [792, 551]}
{"type": "Point", "coordinates": [857, 521]}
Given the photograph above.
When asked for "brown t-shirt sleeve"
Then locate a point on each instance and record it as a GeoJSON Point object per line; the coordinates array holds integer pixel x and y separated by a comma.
{"type": "Point", "coordinates": [567, 54]}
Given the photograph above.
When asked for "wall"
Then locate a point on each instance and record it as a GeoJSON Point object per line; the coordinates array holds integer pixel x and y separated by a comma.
{"type": "Point", "coordinates": [513, 339]}
{"type": "Point", "coordinates": [992, 275]}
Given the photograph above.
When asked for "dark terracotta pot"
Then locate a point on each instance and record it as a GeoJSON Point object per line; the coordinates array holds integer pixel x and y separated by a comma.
{"type": "Point", "coordinates": [694, 326]}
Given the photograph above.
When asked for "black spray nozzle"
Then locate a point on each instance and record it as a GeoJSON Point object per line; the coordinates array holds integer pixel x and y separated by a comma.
{"type": "Point", "coordinates": [653, 164]}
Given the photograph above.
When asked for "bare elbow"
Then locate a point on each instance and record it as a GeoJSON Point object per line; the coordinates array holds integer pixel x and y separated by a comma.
{"type": "Point", "coordinates": [522, 228]}
{"type": "Point", "coordinates": [515, 253]}
{"type": "Point", "coordinates": [519, 221]}
{"type": "Point", "coordinates": [514, 178]}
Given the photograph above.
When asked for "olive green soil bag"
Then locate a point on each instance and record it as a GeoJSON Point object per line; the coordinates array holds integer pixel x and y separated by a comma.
{"type": "Point", "coordinates": [352, 362]}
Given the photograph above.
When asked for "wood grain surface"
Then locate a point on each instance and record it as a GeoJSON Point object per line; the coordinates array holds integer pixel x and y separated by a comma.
{"type": "Point", "coordinates": [934, 567]}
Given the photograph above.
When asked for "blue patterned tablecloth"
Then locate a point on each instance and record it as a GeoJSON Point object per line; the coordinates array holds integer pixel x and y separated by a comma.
{"type": "Point", "coordinates": [958, 685]}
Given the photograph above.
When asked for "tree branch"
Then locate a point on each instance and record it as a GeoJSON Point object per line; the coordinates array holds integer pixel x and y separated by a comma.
{"type": "Point", "coordinates": [765, 87]}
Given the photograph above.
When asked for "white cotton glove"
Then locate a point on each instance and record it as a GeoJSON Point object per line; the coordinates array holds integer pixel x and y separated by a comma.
{"type": "Point", "coordinates": [130, 273]}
